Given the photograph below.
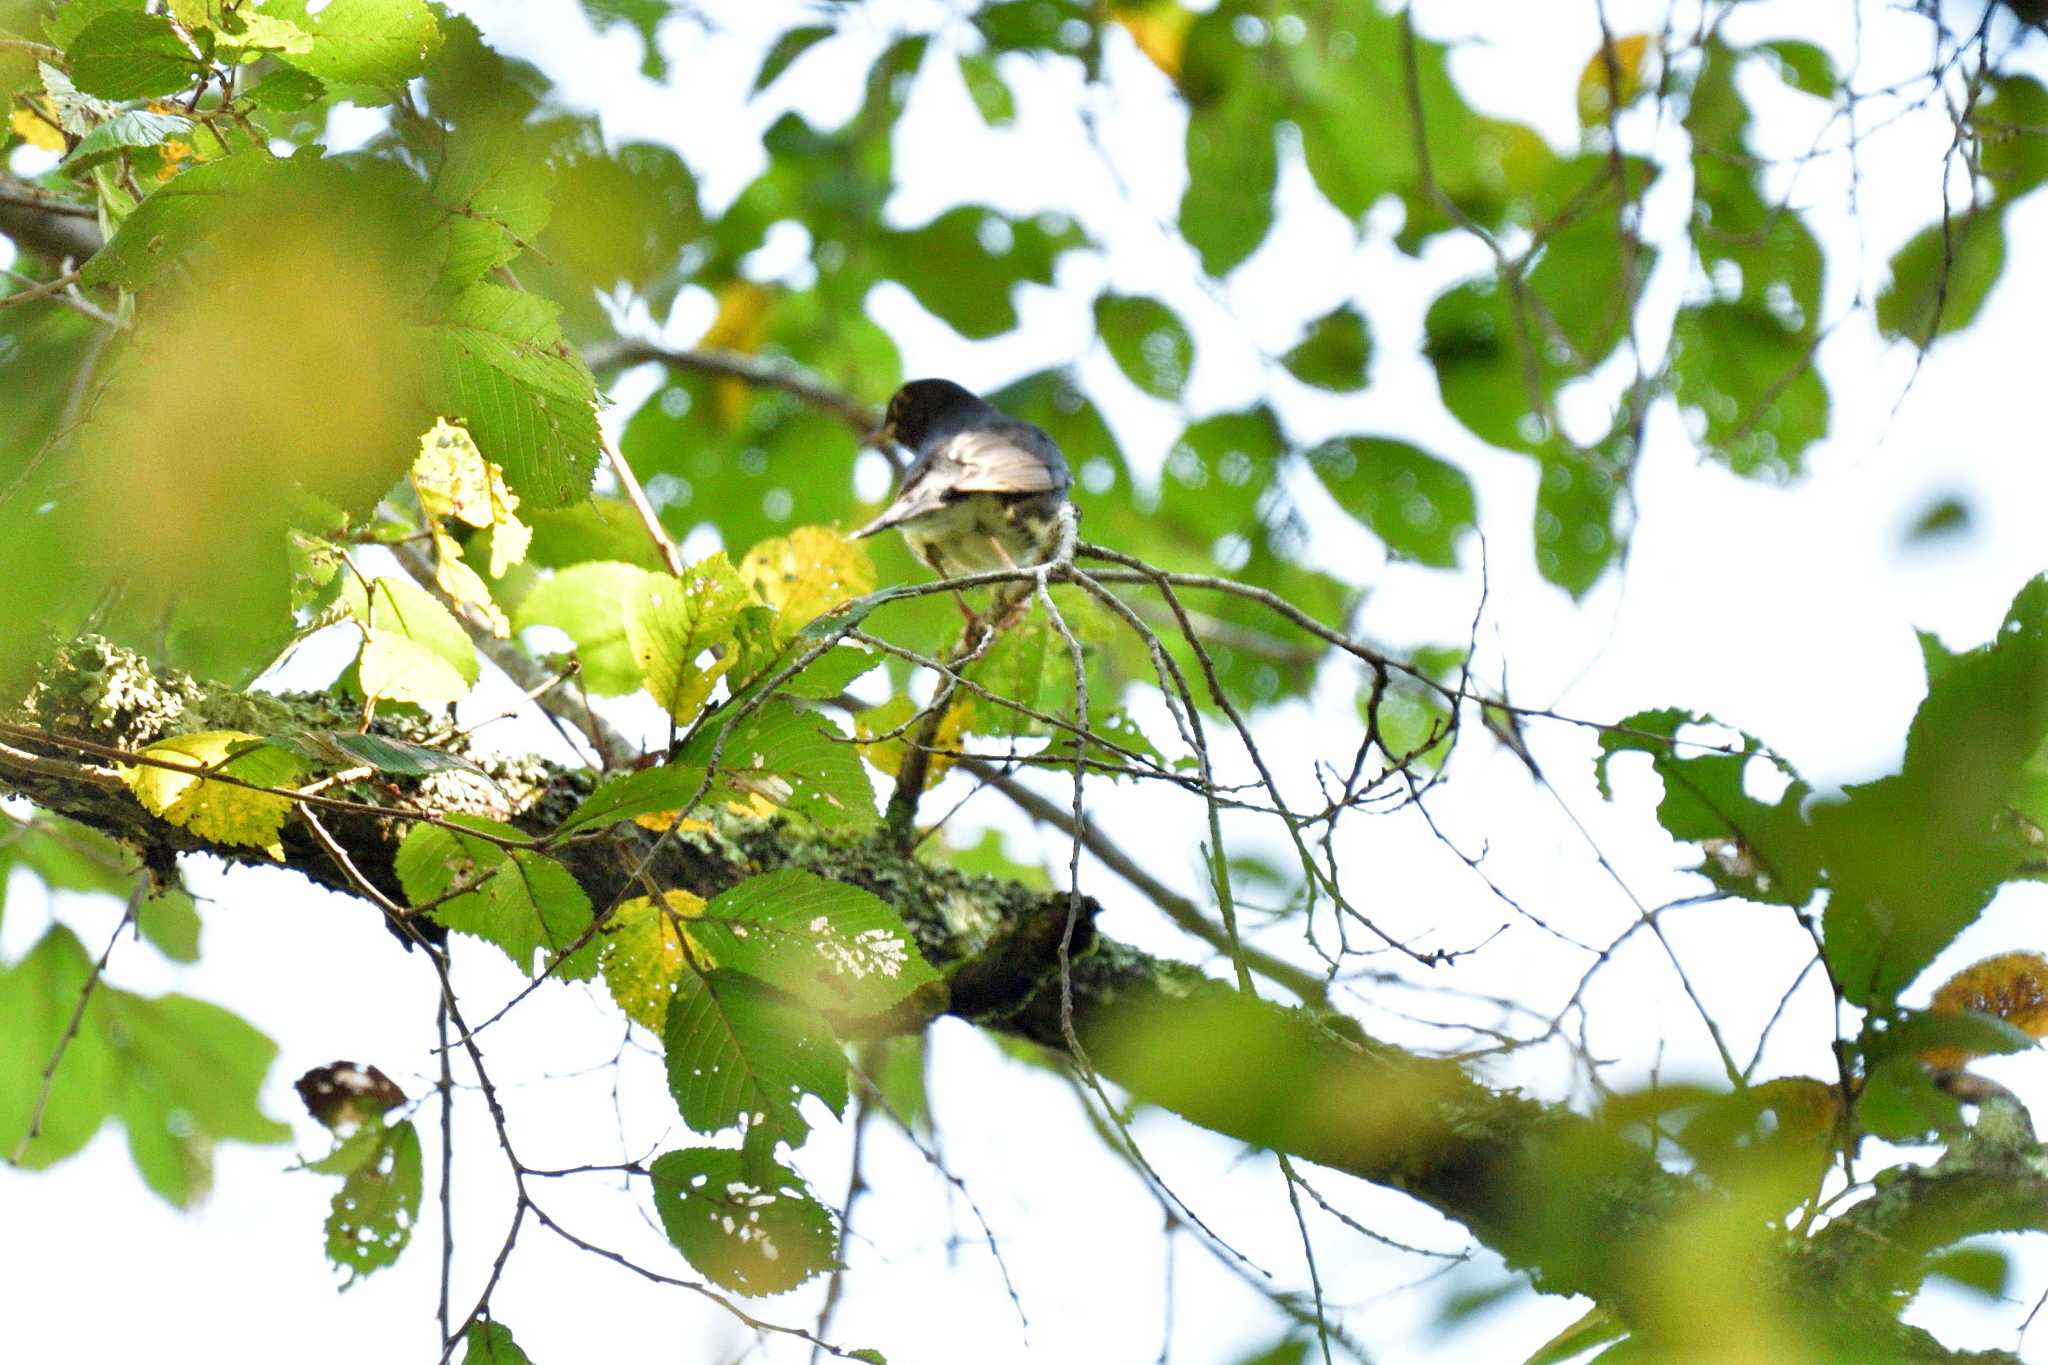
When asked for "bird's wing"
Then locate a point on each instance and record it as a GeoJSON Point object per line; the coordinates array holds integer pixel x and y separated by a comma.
{"type": "Point", "coordinates": [1012, 461]}
{"type": "Point", "coordinates": [1020, 460]}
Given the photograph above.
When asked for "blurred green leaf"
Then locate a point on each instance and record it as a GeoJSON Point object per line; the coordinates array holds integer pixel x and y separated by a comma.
{"type": "Point", "coordinates": [964, 265]}
{"type": "Point", "coordinates": [1416, 503]}
{"type": "Point", "coordinates": [786, 50]}
{"type": "Point", "coordinates": [1941, 277]}
{"type": "Point", "coordinates": [1752, 381]}
{"type": "Point", "coordinates": [987, 88]}
{"type": "Point", "coordinates": [1336, 352]}
{"type": "Point", "coordinates": [2011, 120]}
{"type": "Point", "coordinates": [170, 921]}
{"type": "Point", "coordinates": [1984, 1269]}
{"type": "Point", "coordinates": [1804, 66]}
{"type": "Point", "coordinates": [1148, 340]}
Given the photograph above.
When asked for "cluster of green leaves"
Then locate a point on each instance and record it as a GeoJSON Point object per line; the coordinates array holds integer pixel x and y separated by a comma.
{"type": "Point", "coordinates": [1906, 862]}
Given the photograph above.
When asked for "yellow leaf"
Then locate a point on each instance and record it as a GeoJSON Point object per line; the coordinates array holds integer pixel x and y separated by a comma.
{"type": "Point", "coordinates": [888, 754]}
{"type": "Point", "coordinates": [806, 573]}
{"type": "Point", "coordinates": [1160, 31]}
{"type": "Point", "coordinates": [1805, 1107]}
{"type": "Point", "coordinates": [395, 667]}
{"type": "Point", "coordinates": [462, 586]}
{"type": "Point", "coordinates": [453, 479]}
{"type": "Point", "coordinates": [741, 323]}
{"type": "Point", "coordinates": [1613, 75]}
{"type": "Point", "coordinates": [221, 812]}
{"type": "Point", "coordinates": [37, 125]}
{"type": "Point", "coordinates": [2009, 986]}
{"type": "Point", "coordinates": [645, 953]}
{"type": "Point", "coordinates": [660, 820]}
{"type": "Point", "coordinates": [173, 151]}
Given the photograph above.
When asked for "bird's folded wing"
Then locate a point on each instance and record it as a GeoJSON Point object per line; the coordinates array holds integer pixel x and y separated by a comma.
{"type": "Point", "coordinates": [1000, 462]}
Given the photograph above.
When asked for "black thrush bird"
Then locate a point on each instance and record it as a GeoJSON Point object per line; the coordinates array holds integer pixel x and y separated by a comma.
{"type": "Point", "coordinates": [984, 490]}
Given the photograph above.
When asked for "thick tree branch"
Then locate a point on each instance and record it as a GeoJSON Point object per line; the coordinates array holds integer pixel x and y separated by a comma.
{"type": "Point", "coordinates": [619, 354]}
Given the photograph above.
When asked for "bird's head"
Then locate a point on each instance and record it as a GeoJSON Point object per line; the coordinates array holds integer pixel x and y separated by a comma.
{"type": "Point", "coordinates": [921, 406]}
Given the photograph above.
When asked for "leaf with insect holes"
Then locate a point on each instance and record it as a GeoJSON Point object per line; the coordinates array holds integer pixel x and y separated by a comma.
{"type": "Point", "coordinates": [743, 1053]}
{"type": "Point", "coordinates": [643, 954]}
{"type": "Point", "coordinates": [747, 1234]}
{"type": "Point", "coordinates": [222, 812]}
{"type": "Point", "coordinates": [673, 626]}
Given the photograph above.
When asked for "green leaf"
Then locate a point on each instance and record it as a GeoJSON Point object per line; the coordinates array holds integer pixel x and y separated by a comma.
{"type": "Point", "coordinates": [414, 650]}
{"type": "Point", "coordinates": [1985, 1269]}
{"type": "Point", "coordinates": [186, 1075]}
{"type": "Point", "coordinates": [1599, 1324]}
{"type": "Point", "coordinates": [965, 264]}
{"type": "Point", "coordinates": [1941, 277]}
{"type": "Point", "coordinates": [1336, 352]}
{"type": "Point", "coordinates": [1758, 400]}
{"type": "Point", "coordinates": [787, 49]}
{"type": "Point", "coordinates": [1575, 505]}
{"type": "Point", "coordinates": [286, 91]}
{"type": "Point", "coordinates": [1233, 167]}
{"type": "Point", "coordinates": [792, 758]}
{"type": "Point", "coordinates": [494, 186]}
{"type": "Point", "coordinates": [37, 998]}
{"type": "Point", "coordinates": [126, 55]}
{"type": "Point", "coordinates": [742, 1052]}
{"type": "Point", "coordinates": [1910, 1033]}
{"type": "Point", "coordinates": [1761, 851]}
{"type": "Point", "coordinates": [524, 902]}
{"type": "Point", "coordinates": [987, 88]}
{"type": "Point", "coordinates": [378, 44]}
{"type": "Point", "coordinates": [1901, 1103]}
{"type": "Point", "coordinates": [491, 1343]}
{"type": "Point", "coordinates": [179, 216]}
{"type": "Point", "coordinates": [1419, 505]}
{"type": "Point", "coordinates": [2011, 120]}
{"type": "Point", "coordinates": [1913, 858]}
{"type": "Point", "coordinates": [1476, 348]}
{"type": "Point", "coordinates": [1148, 340]}
{"type": "Point", "coordinates": [349, 749]}
{"type": "Point", "coordinates": [672, 624]}
{"type": "Point", "coordinates": [497, 360]}
{"type": "Point", "coordinates": [747, 1235]}
{"type": "Point", "coordinates": [1804, 66]}
{"type": "Point", "coordinates": [373, 1213]}
{"type": "Point", "coordinates": [131, 129]}
{"type": "Point", "coordinates": [836, 947]}
{"type": "Point", "coordinates": [170, 921]}
{"type": "Point", "coordinates": [588, 603]}
{"type": "Point", "coordinates": [633, 794]}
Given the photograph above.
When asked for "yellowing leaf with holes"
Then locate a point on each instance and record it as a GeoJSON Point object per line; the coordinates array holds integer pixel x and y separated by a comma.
{"type": "Point", "coordinates": [680, 631]}
{"type": "Point", "coordinates": [222, 812]}
{"type": "Point", "coordinates": [453, 479]}
{"type": "Point", "coordinates": [2009, 986]}
{"type": "Point", "coordinates": [1613, 78]}
{"type": "Point", "coordinates": [885, 740]}
{"type": "Point", "coordinates": [645, 954]}
{"type": "Point", "coordinates": [806, 573]}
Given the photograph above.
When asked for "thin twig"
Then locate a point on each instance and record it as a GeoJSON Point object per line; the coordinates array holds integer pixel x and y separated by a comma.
{"type": "Point", "coordinates": [99, 968]}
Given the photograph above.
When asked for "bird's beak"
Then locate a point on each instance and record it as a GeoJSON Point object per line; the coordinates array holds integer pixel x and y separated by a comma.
{"type": "Point", "coordinates": [881, 438]}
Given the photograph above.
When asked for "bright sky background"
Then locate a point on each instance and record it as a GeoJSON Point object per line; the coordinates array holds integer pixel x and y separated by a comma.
{"type": "Point", "coordinates": [1787, 612]}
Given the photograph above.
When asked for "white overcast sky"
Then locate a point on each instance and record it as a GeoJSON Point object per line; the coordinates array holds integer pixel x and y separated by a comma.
{"type": "Point", "coordinates": [1788, 612]}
